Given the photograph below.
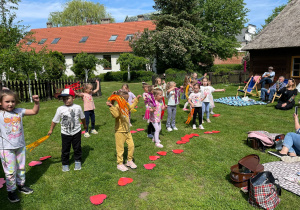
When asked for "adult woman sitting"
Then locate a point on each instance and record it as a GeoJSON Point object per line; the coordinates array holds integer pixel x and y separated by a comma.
{"type": "Point", "coordinates": [288, 94]}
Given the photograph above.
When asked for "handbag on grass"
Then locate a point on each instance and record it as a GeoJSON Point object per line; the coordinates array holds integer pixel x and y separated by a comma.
{"type": "Point", "coordinates": [263, 191]}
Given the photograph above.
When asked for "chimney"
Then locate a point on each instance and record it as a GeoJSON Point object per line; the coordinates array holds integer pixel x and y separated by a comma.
{"type": "Point", "coordinates": [49, 24]}
{"type": "Point", "coordinates": [141, 17]}
{"type": "Point", "coordinates": [89, 22]}
{"type": "Point", "coordinates": [105, 20]}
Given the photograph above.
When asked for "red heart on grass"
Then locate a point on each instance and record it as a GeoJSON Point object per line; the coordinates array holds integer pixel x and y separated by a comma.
{"type": "Point", "coordinates": [80, 123]}
{"type": "Point", "coordinates": [181, 142]}
{"type": "Point", "coordinates": [163, 153]}
{"type": "Point", "coordinates": [132, 131]}
{"type": "Point", "coordinates": [216, 115]}
{"type": "Point", "coordinates": [149, 166]}
{"type": "Point", "coordinates": [215, 131]}
{"type": "Point", "coordinates": [82, 132]}
{"type": "Point", "coordinates": [195, 134]}
{"type": "Point", "coordinates": [124, 181]}
{"type": "Point", "coordinates": [154, 157]}
{"type": "Point", "coordinates": [35, 163]}
{"type": "Point", "coordinates": [208, 132]}
{"type": "Point", "coordinates": [136, 107]}
{"type": "Point", "coordinates": [177, 151]}
{"type": "Point", "coordinates": [140, 129]}
{"type": "Point", "coordinates": [185, 140]}
{"type": "Point", "coordinates": [2, 181]}
{"type": "Point", "coordinates": [98, 199]}
{"type": "Point", "coordinates": [45, 158]}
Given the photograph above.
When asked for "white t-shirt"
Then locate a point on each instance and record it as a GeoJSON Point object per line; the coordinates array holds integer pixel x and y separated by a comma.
{"type": "Point", "coordinates": [207, 90]}
{"type": "Point", "coordinates": [69, 116]}
{"type": "Point", "coordinates": [196, 99]}
{"type": "Point", "coordinates": [11, 129]}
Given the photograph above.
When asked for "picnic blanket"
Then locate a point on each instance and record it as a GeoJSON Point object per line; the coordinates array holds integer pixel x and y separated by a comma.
{"type": "Point", "coordinates": [238, 101]}
{"type": "Point", "coordinates": [286, 174]}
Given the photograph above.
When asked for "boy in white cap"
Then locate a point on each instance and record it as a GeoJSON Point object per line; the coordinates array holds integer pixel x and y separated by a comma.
{"type": "Point", "coordinates": [68, 115]}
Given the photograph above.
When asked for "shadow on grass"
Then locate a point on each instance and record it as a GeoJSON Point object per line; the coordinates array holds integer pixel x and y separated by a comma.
{"type": "Point", "coordinates": [85, 153]}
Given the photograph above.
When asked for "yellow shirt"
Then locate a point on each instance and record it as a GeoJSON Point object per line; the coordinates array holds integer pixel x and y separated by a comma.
{"type": "Point", "coordinates": [122, 121]}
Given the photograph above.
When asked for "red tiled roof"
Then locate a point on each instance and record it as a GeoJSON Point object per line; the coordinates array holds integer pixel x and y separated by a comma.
{"type": "Point", "coordinates": [98, 37]}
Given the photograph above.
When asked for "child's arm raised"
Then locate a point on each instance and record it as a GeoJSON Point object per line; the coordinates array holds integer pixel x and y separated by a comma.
{"type": "Point", "coordinates": [35, 108]}
{"type": "Point", "coordinates": [135, 102]}
{"type": "Point", "coordinates": [169, 90]}
{"type": "Point", "coordinates": [97, 87]}
{"type": "Point", "coordinates": [79, 94]}
{"type": "Point", "coordinates": [113, 110]}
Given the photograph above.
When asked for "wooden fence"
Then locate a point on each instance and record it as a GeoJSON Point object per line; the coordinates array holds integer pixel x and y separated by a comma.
{"type": "Point", "coordinates": [46, 89]}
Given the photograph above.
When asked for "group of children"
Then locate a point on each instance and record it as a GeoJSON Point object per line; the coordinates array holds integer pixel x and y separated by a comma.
{"type": "Point", "coordinates": [120, 103]}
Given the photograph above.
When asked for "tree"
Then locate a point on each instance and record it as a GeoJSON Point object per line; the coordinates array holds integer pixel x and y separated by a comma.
{"type": "Point", "coordinates": [77, 12]}
{"type": "Point", "coordinates": [53, 64]}
{"type": "Point", "coordinates": [130, 60]}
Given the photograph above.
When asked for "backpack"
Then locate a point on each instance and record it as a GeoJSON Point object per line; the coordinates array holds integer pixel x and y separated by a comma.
{"type": "Point", "coordinates": [263, 139]}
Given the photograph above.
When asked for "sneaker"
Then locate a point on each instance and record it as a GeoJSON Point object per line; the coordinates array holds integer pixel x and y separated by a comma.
{"type": "Point", "coordinates": [86, 135]}
{"type": "Point", "coordinates": [159, 145]}
{"type": "Point", "coordinates": [150, 136]}
{"type": "Point", "coordinates": [65, 168]}
{"type": "Point", "coordinates": [13, 196]}
{"type": "Point", "coordinates": [184, 109]}
{"type": "Point", "coordinates": [169, 129]}
{"type": "Point", "coordinates": [194, 127]}
{"type": "Point", "coordinates": [212, 112]}
{"type": "Point", "coordinates": [122, 167]}
{"type": "Point", "coordinates": [25, 190]}
{"type": "Point", "coordinates": [94, 131]}
{"type": "Point", "coordinates": [277, 154]}
{"type": "Point", "coordinates": [131, 164]}
{"type": "Point", "coordinates": [201, 127]}
{"type": "Point", "coordinates": [77, 166]}
{"type": "Point", "coordinates": [130, 125]}
{"type": "Point", "coordinates": [202, 121]}
{"type": "Point", "coordinates": [208, 120]}
{"type": "Point", "coordinates": [175, 129]}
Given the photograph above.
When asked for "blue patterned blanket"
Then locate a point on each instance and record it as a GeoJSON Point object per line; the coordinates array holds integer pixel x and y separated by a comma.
{"type": "Point", "coordinates": [238, 101]}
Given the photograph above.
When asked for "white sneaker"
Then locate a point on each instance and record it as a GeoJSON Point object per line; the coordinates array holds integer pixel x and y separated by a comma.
{"type": "Point", "coordinates": [130, 125]}
{"type": "Point", "coordinates": [212, 112]}
{"type": "Point", "coordinates": [86, 135]}
{"type": "Point", "coordinates": [201, 127]}
{"type": "Point", "coordinates": [169, 129]}
{"type": "Point", "coordinates": [131, 164]}
{"type": "Point", "coordinates": [194, 127]}
{"type": "Point", "coordinates": [159, 145]}
{"type": "Point", "coordinates": [208, 120]}
{"type": "Point", "coordinates": [122, 167]}
{"type": "Point", "coordinates": [94, 131]}
{"type": "Point", "coordinates": [175, 129]}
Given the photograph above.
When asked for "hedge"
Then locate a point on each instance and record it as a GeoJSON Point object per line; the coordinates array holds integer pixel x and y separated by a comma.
{"type": "Point", "coordinates": [136, 76]}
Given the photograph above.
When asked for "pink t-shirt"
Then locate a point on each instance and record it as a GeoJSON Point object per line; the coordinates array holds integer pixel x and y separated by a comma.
{"type": "Point", "coordinates": [156, 115]}
{"type": "Point", "coordinates": [88, 102]}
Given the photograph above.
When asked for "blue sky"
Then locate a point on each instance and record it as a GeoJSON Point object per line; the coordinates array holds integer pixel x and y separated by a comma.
{"type": "Point", "coordinates": [34, 13]}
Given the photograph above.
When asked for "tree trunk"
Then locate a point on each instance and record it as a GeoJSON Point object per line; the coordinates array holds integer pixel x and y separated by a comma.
{"type": "Point", "coordinates": [29, 89]}
{"type": "Point", "coordinates": [86, 75]}
{"type": "Point", "coordinates": [128, 69]}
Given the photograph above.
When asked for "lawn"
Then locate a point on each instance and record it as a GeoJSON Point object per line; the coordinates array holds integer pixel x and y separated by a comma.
{"type": "Point", "coordinates": [198, 178]}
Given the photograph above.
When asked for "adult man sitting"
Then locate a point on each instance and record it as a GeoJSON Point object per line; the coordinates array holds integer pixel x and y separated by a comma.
{"type": "Point", "coordinates": [267, 77]}
{"type": "Point", "coordinates": [274, 88]}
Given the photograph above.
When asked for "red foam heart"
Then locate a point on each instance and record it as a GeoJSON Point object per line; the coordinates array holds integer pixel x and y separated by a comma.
{"type": "Point", "coordinates": [35, 163]}
{"type": "Point", "coordinates": [177, 151]}
{"type": "Point", "coordinates": [82, 132]}
{"type": "Point", "coordinates": [162, 153]}
{"type": "Point", "coordinates": [133, 131]}
{"type": "Point", "coordinates": [124, 181]}
{"type": "Point", "coordinates": [140, 129]}
{"type": "Point", "coordinates": [215, 131]}
{"type": "Point", "coordinates": [180, 142]}
{"type": "Point", "coordinates": [154, 157]}
{"type": "Point", "coordinates": [149, 166]}
{"type": "Point", "coordinates": [185, 140]}
{"type": "Point", "coordinates": [208, 132]}
{"type": "Point", "coordinates": [2, 181]}
{"type": "Point", "coordinates": [98, 199]}
{"type": "Point", "coordinates": [80, 123]}
{"type": "Point", "coordinates": [216, 115]}
{"type": "Point", "coordinates": [195, 134]}
{"type": "Point", "coordinates": [136, 107]}
{"type": "Point", "coordinates": [45, 158]}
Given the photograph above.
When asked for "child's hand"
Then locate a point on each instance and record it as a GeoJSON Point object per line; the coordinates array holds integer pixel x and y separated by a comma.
{"type": "Point", "coordinates": [224, 90]}
{"type": "Point", "coordinates": [109, 104]}
{"type": "Point", "coordinates": [35, 98]}
{"type": "Point", "coordinates": [49, 132]}
{"type": "Point", "coordinates": [97, 81]}
{"type": "Point", "coordinates": [138, 97]}
{"type": "Point", "coordinates": [164, 82]}
{"type": "Point", "coordinates": [166, 106]}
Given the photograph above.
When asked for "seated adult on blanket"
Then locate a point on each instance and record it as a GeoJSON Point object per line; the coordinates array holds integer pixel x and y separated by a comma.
{"type": "Point", "coordinates": [288, 94]}
{"type": "Point", "coordinates": [267, 77]}
{"type": "Point", "coordinates": [274, 88]}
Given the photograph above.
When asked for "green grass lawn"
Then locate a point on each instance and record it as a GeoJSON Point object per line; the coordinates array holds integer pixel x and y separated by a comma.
{"type": "Point", "coordinates": [198, 178]}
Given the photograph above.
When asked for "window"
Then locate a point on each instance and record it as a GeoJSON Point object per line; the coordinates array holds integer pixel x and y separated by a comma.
{"type": "Point", "coordinates": [83, 39]}
{"type": "Point", "coordinates": [295, 66]}
{"type": "Point", "coordinates": [128, 37]}
{"type": "Point", "coordinates": [55, 41]}
{"type": "Point", "coordinates": [29, 42]}
{"type": "Point", "coordinates": [42, 41]}
{"type": "Point", "coordinates": [113, 38]}
{"type": "Point", "coordinates": [108, 58]}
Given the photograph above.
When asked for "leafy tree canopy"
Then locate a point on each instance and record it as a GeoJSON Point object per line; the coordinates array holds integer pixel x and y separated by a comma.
{"type": "Point", "coordinates": [77, 12]}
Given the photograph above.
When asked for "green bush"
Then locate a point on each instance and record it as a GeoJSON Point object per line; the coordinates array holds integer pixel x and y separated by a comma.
{"type": "Point", "coordinates": [136, 76]}
{"type": "Point", "coordinates": [226, 67]}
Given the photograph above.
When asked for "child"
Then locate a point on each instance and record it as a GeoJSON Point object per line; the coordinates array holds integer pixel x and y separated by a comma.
{"type": "Point", "coordinates": [173, 95]}
{"type": "Point", "coordinates": [207, 91]}
{"type": "Point", "coordinates": [89, 106]}
{"type": "Point", "coordinates": [148, 100]}
{"type": "Point", "coordinates": [160, 85]}
{"type": "Point", "coordinates": [125, 87]}
{"type": "Point", "coordinates": [195, 100]}
{"type": "Point", "coordinates": [68, 115]}
{"type": "Point", "coordinates": [155, 115]}
{"type": "Point", "coordinates": [190, 90]}
{"type": "Point", "coordinates": [122, 131]}
{"type": "Point", "coordinates": [12, 147]}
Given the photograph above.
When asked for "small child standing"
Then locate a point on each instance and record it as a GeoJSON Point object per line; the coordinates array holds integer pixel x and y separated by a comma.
{"type": "Point", "coordinates": [125, 87]}
{"type": "Point", "coordinates": [122, 131]}
{"type": "Point", "coordinates": [207, 91]}
{"type": "Point", "coordinates": [160, 85]}
{"type": "Point", "coordinates": [148, 100]}
{"type": "Point", "coordinates": [89, 106]}
{"type": "Point", "coordinates": [188, 91]}
{"type": "Point", "coordinates": [68, 115]}
{"type": "Point", "coordinates": [195, 100]}
{"type": "Point", "coordinates": [155, 116]}
{"type": "Point", "coordinates": [12, 147]}
{"type": "Point", "coordinates": [173, 95]}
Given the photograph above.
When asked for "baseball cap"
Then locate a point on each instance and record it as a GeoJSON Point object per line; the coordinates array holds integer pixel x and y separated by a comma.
{"type": "Point", "coordinates": [67, 92]}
